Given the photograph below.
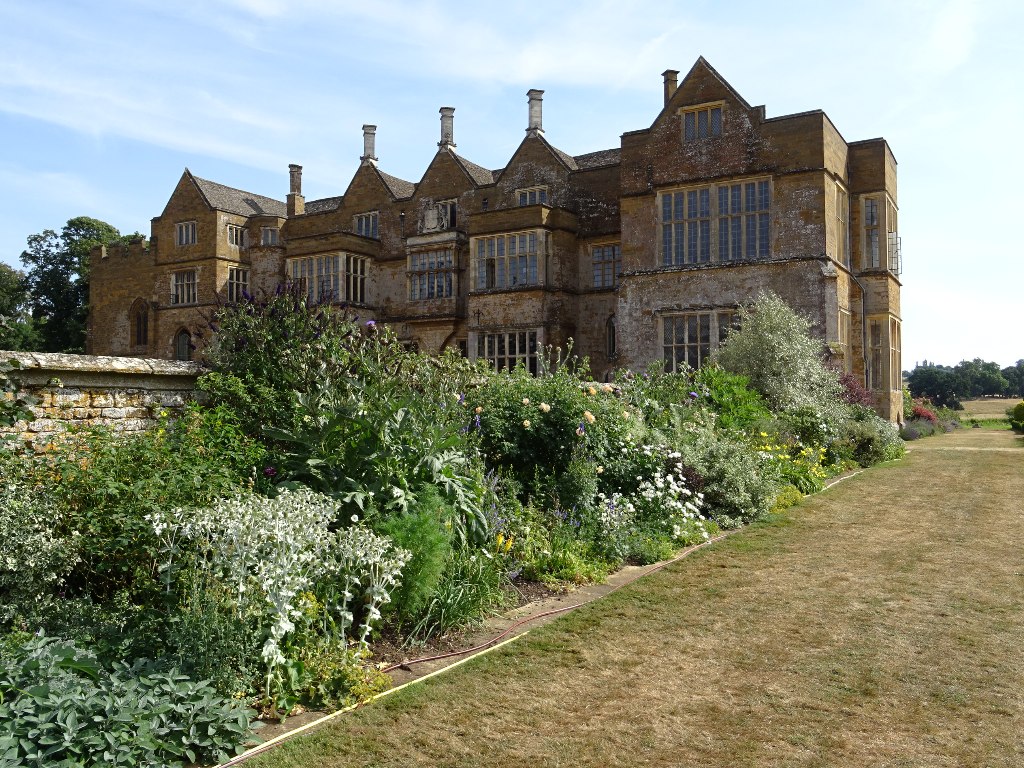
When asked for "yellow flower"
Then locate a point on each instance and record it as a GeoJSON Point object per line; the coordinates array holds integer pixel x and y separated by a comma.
{"type": "Point", "coordinates": [526, 423]}
{"type": "Point", "coordinates": [478, 409]}
{"type": "Point", "coordinates": [544, 407]}
{"type": "Point", "coordinates": [607, 388]}
{"type": "Point", "coordinates": [589, 417]}
{"type": "Point", "coordinates": [600, 469]}
{"type": "Point", "coordinates": [591, 391]}
{"type": "Point", "coordinates": [526, 401]}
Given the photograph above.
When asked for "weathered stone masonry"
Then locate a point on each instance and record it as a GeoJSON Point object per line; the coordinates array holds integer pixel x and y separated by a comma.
{"type": "Point", "coordinates": [639, 253]}
{"type": "Point", "coordinates": [123, 393]}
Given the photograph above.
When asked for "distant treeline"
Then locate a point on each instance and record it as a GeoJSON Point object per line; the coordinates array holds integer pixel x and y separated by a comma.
{"type": "Point", "coordinates": [947, 386]}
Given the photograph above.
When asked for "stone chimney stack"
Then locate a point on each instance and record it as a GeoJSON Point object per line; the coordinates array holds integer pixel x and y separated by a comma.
{"type": "Point", "coordinates": [296, 203]}
{"type": "Point", "coordinates": [447, 127]}
{"type": "Point", "coordinates": [536, 125]}
{"type": "Point", "coordinates": [671, 83]}
{"type": "Point", "coordinates": [369, 144]}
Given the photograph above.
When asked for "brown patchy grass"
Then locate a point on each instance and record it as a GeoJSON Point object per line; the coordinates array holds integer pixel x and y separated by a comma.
{"type": "Point", "coordinates": [988, 407]}
{"type": "Point", "coordinates": [879, 623]}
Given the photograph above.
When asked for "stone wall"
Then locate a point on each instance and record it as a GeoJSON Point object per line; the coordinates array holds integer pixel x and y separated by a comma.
{"type": "Point", "coordinates": [124, 393]}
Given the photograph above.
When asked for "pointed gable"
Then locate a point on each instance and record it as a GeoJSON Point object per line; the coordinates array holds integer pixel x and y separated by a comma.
{"type": "Point", "coordinates": [186, 196]}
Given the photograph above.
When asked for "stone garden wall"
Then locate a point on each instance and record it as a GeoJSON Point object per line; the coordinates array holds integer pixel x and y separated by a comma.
{"type": "Point", "coordinates": [123, 393]}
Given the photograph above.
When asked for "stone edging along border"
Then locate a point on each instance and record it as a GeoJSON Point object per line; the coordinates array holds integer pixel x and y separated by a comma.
{"type": "Point", "coordinates": [627, 575]}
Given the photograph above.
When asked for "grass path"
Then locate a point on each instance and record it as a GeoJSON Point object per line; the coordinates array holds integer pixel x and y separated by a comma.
{"type": "Point", "coordinates": [880, 623]}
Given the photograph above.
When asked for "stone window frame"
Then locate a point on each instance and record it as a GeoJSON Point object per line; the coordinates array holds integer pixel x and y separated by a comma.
{"type": "Point", "coordinates": [337, 277]}
{"type": "Point", "coordinates": [138, 322]}
{"type": "Point", "coordinates": [237, 284]}
{"type": "Point", "coordinates": [536, 195]}
{"type": "Point", "coordinates": [183, 346]}
{"type": "Point", "coordinates": [237, 236]}
{"type": "Point", "coordinates": [501, 263]}
{"type": "Point", "coordinates": [723, 223]}
{"type": "Point", "coordinates": [606, 271]}
{"type": "Point", "coordinates": [702, 121]}
{"type": "Point", "coordinates": [432, 274]}
{"type": "Point", "coordinates": [185, 233]}
{"type": "Point", "coordinates": [895, 355]}
{"type": "Point", "coordinates": [270, 236]}
{"type": "Point", "coordinates": [693, 336]}
{"type": "Point", "coordinates": [842, 219]}
{"type": "Point", "coordinates": [505, 348]}
{"type": "Point", "coordinates": [875, 378]}
{"type": "Point", "coordinates": [367, 224]}
{"type": "Point", "coordinates": [610, 341]}
{"type": "Point", "coordinates": [184, 287]}
{"type": "Point", "coordinates": [871, 228]}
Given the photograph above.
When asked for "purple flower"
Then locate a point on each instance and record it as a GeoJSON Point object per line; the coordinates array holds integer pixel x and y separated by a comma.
{"type": "Point", "coordinates": [371, 323]}
{"type": "Point", "coordinates": [476, 421]}
{"type": "Point", "coordinates": [694, 395]}
{"type": "Point", "coordinates": [269, 471]}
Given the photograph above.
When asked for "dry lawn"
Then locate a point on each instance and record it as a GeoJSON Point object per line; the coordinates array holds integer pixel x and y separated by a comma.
{"type": "Point", "coordinates": [988, 407]}
{"type": "Point", "coordinates": [880, 623]}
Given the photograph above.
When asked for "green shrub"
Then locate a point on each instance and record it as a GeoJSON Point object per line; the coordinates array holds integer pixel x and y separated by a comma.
{"type": "Point", "coordinates": [869, 440]}
{"type": "Point", "coordinates": [34, 556]}
{"type": "Point", "coordinates": [426, 533]}
{"type": "Point", "coordinates": [729, 395]}
{"type": "Point", "coordinates": [739, 482]}
{"type": "Point", "coordinates": [1016, 415]}
{"type": "Point", "coordinates": [787, 497]}
{"type": "Point", "coordinates": [60, 706]}
{"type": "Point", "coordinates": [784, 363]}
{"type": "Point", "coordinates": [472, 586]}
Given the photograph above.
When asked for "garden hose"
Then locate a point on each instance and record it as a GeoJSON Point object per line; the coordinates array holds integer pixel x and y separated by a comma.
{"type": "Point", "coordinates": [483, 648]}
{"type": "Point", "coordinates": [474, 652]}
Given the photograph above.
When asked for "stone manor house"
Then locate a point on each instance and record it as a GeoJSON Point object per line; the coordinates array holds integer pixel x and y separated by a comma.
{"type": "Point", "coordinates": [638, 253]}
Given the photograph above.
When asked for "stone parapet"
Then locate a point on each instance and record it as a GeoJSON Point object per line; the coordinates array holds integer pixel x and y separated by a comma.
{"type": "Point", "coordinates": [126, 394]}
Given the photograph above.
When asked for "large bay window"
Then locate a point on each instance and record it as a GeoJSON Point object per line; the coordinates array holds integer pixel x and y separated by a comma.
{"type": "Point", "coordinates": [872, 254]}
{"type": "Point", "coordinates": [507, 349]}
{"type": "Point", "coordinates": [842, 226]}
{"type": "Point", "coordinates": [338, 277]}
{"type": "Point", "coordinates": [508, 261]}
{"type": "Point", "coordinates": [720, 222]}
{"type": "Point", "coordinates": [876, 381]}
{"type": "Point", "coordinates": [689, 338]}
{"type": "Point", "coordinates": [432, 275]}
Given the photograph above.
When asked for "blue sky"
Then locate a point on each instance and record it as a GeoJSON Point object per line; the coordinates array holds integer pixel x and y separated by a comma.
{"type": "Point", "coordinates": [102, 105]}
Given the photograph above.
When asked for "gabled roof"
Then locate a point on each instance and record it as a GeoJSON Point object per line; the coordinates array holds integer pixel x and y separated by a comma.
{"type": "Point", "coordinates": [238, 201]}
{"type": "Point", "coordinates": [399, 188]}
{"type": "Point", "coordinates": [702, 62]}
{"type": "Point", "coordinates": [324, 204]}
{"type": "Point", "coordinates": [569, 160]}
{"type": "Point", "coordinates": [477, 173]}
{"type": "Point", "coordinates": [598, 159]}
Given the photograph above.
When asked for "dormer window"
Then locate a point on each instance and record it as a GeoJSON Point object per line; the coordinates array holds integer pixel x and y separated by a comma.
{"type": "Point", "coordinates": [367, 223]}
{"type": "Point", "coordinates": [702, 122]}
{"type": "Point", "coordinates": [532, 196]}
